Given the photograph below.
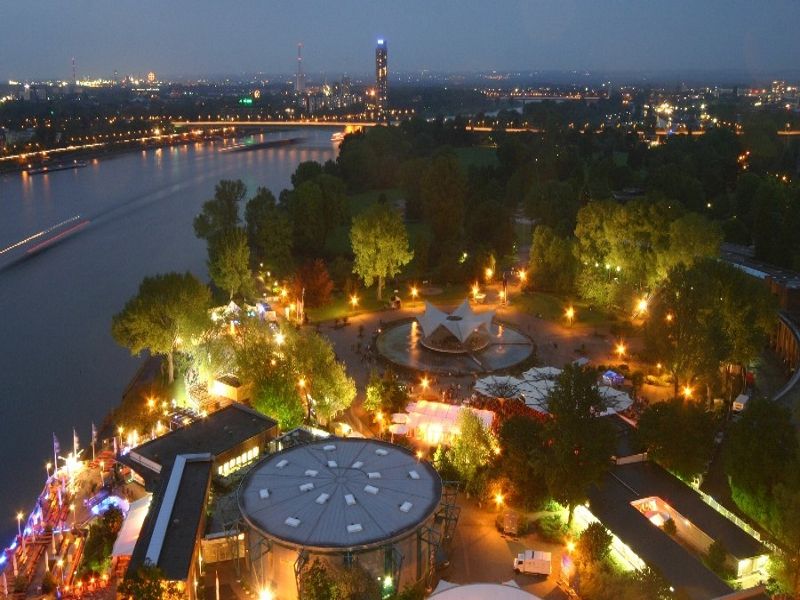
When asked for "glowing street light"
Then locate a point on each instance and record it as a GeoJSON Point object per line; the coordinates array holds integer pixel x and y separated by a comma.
{"type": "Point", "coordinates": [302, 382]}
{"type": "Point", "coordinates": [424, 382]}
{"type": "Point", "coordinates": [620, 350]}
{"type": "Point", "coordinates": [570, 314]}
{"type": "Point", "coordinates": [47, 468]}
{"type": "Point", "coordinates": [280, 338]}
{"type": "Point", "coordinates": [414, 293]}
{"type": "Point", "coordinates": [19, 523]}
{"type": "Point", "coordinates": [570, 546]}
{"type": "Point", "coordinates": [523, 276]}
{"type": "Point", "coordinates": [498, 499]}
{"type": "Point", "coordinates": [489, 274]}
{"type": "Point", "coordinates": [265, 594]}
{"type": "Point", "coordinates": [641, 306]}
{"type": "Point", "coordinates": [354, 301]}
{"type": "Point", "coordinates": [669, 317]}
{"type": "Point", "coordinates": [687, 391]}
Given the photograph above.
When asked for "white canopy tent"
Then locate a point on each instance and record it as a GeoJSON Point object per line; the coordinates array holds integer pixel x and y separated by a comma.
{"type": "Point", "coordinates": [498, 386]}
{"type": "Point", "coordinates": [546, 372]}
{"type": "Point", "coordinates": [131, 526]}
{"type": "Point", "coordinates": [461, 323]}
{"type": "Point", "coordinates": [437, 422]}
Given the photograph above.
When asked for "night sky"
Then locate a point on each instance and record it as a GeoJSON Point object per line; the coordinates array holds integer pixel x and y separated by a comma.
{"type": "Point", "coordinates": [204, 37]}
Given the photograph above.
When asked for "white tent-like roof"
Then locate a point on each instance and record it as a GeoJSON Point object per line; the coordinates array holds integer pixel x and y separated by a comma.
{"type": "Point", "coordinates": [437, 422]}
{"type": "Point", "coordinates": [480, 591]}
{"type": "Point", "coordinates": [498, 386]}
{"type": "Point", "coordinates": [536, 373]}
{"type": "Point", "coordinates": [131, 526]}
{"type": "Point", "coordinates": [462, 322]}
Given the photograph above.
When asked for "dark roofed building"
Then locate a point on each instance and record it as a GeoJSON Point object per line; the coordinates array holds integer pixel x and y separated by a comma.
{"type": "Point", "coordinates": [171, 532]}
{"type": "Point", "coordinates": [233, 436]}
{"type": "Point", "coordinates": [635, 499]}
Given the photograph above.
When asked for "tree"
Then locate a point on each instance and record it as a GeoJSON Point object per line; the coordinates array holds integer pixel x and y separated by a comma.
{"type": "Point", "coordinates": [148, 583]}
{"type": "Point", "coordinates": [326, 387]}
{"type": "Point", "coordinates": [316, 582]}
{"type": "Point", "coordinates": [521, 442]}
{"type": "Point", "coordinates": [594, 543]}
{"type": "Point", "coordinates": [276, 396]}
{"type": "Point", "coordinates": [678, 435]}
{"type": "Point", "coordinates": [306, 209]}
{"type": "Point", "coordinates": [705, 315]}
{"type": "Point", "coordinates": [380, 244]}
{"type": "Point", "coordinates": [312, 277]}
{"type": "Point", "coordinates": [168, 311]}
{"type": "Point", "coordinates": [221, 213]}
{"type": "Point", "coordinates": [385, 394]}
{"type": "Point", "coordinates": [269, 231]}
{"type": "Point", "coordinates": [471, 451]}
{"type": "Point", "coordinates": [552, 264]}
{"type": "Point", "coordinates": [578, 445]}
{"type": "Point", "coordinates": [229, 262]}
{"type": "Point", "coordinates": [786, 525]}
{"type": "Point", "coordinates": [443, 192]}
{"type": "Point", "coordinates": [761, 452]}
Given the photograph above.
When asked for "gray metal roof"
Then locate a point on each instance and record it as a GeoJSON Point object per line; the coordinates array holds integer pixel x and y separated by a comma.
{"type": "Point", "coordinates": [339, 493]}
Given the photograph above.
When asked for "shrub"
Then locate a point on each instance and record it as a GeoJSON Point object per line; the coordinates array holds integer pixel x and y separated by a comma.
{"type": "Point", "coordinates": [594, 544]}
{"type": "Point", "coordinates": [551, 529]}
{"type": "Point", "coordinates": [669, 527]}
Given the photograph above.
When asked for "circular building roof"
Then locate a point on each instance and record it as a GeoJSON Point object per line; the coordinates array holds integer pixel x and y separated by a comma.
{"type": "Point", "coordinates": [481, 591]}
{"type": "Point", "coordinates": [339, 493]}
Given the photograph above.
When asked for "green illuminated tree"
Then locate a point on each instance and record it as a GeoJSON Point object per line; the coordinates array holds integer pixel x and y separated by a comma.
{"type": "Point", "coordinates": [552, 264]}
{"type": "Point", "coordinates": [578, 445]}
{"type": "Point", "coordinates": [229, 262]}
{"type": "Point", "coordinates": [167, 312]}
{"type": "Point", "coordinates": [380, 245]}
{"type": "Point", "coordinates": [471, 451]}
{"type": "Point", "coordinates": [594, 543]}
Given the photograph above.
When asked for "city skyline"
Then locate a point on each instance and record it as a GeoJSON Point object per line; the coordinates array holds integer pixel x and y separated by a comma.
{"type": "Point", "coordinates": [174, 40]}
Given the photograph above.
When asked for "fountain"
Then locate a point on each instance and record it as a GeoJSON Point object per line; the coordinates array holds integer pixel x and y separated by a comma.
{"type": "Point", "coordinates": [458, 343]}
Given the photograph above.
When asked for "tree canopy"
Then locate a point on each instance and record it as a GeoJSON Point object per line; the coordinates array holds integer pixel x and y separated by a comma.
{"type": "Point", "coordinates": [229, 262]}
{"type": "Point", "coordinates": [578, 444]}
{"type": "Point", "coordinates": [380, 245]}
{"type": "Point", "coordinates": [678, 435]}
{"type": "Point", "coordinates": [269, 231]}
{"type": "Point", "coordinates": [221, 213]}
{"type": "Point", "coordinates": [168, 311]}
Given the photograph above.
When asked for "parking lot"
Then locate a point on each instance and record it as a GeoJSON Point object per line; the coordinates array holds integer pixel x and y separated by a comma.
{"type": "Point", "coordinates": [480, 553]}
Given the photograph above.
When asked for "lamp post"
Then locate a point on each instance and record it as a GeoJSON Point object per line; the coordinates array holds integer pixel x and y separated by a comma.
{"type": "Point", "coordinates": [19, 523]}
{"type": "Point", "coordinates": [570, 315]}
{"type": "Point", "coordinates": [414, 293]}
{"type": "Point", "coordinates": [354, 301]}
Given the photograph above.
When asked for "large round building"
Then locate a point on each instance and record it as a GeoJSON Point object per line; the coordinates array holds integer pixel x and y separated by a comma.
{"type": "Point", "coordinates": [343, 501]}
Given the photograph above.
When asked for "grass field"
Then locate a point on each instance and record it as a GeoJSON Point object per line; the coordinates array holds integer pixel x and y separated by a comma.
{"type": "Point", "coordinates": [553, 308]}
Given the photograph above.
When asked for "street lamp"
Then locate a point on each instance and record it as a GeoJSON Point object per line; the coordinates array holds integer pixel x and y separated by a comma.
{"type": "Point", "coordinates": [19, 523]}
{"type": "Point", "coordinates": [354, 301]}
{"type": "Point", "coordinates": [620, 350]}
{"type": "Point", "coordinates": [489, 273]}
{"type": "Point", "coordinates": [47, 468]}
{"type": "Point", "coordinates": [414, 293]}
{"type": "Point", "coordinates": [687, 391]}
{"type": "Point", "coordinates": [569, 314]}
{"type": "Point", "coordinates": [641, 306]}
{"type": "Point", "coordinates": [279, 338]}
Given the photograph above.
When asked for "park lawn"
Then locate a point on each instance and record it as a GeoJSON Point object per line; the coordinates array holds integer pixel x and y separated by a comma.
{"type": "Point", "coordinates": [339, 306]}
{"type": "Point", "coordinates": [552, 308]}
{"type": "Point", "coordinates": [477, 156]}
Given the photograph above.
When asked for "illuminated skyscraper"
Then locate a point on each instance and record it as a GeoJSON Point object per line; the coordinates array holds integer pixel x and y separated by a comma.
{"type": "Point", "coordinates": [300, 81]}
{"type": "Point", "coordinates": [381, 77]}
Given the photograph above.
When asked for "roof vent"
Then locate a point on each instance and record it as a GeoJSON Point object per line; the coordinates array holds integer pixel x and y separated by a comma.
{"type": "Point", "coordinates": [413, 474]}
{"type": "Point", "coordinates": [264, 493]}
{"type": "Point", "coordinates": [282, 463]}
{"type": "Point", "coordinates": [322, 498]}
{"type": "Point", "coordinates": [306, 487]}
{"type": "Point", "coordinates": [381, 452]}
{"type": "Point", "coordinates": [406, 506]}
{"type": "Point", "coordinates": [370, 489]}
{"type": "Point", "coordinates": [329, 447]}
{"type": "Point", "coordinates": [292, 521]}
{"type": "Point", "coordinates": [311, 473]}
{"type": "Point", "coordinates": [358, 464]}
{"type": "Point", "coordinates": [354, 528]}
{"type": "Point", "coordinates": [374, 475]}
{"type": "Point", "coordinates": [350, 499]}
{"type": "Point", "coordinates": [332, 464]}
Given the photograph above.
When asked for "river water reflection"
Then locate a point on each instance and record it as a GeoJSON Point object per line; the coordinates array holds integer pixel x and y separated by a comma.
{"type": "Point", "coordinates": [59, 367]}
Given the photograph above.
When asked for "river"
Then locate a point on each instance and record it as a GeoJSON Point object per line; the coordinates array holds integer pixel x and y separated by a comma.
{"type": "Point", "coordinates": [59, 365]}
